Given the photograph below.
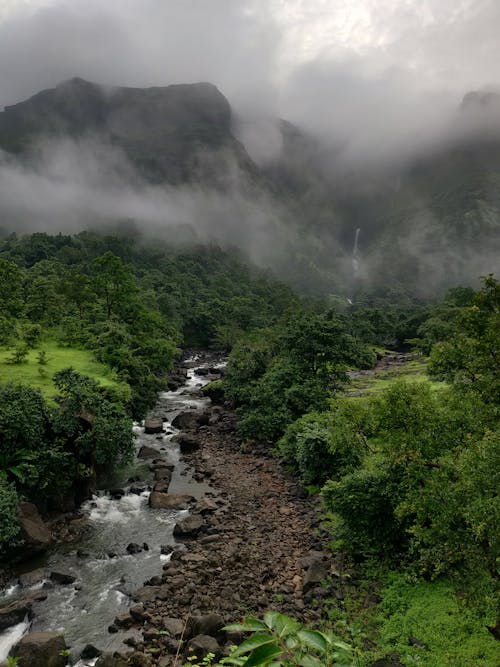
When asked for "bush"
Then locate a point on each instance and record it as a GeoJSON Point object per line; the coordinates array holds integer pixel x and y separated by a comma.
{"type": "Point", "coordinates": [9, 525]}
{"type": "Point", "coordinates": [322, 446]}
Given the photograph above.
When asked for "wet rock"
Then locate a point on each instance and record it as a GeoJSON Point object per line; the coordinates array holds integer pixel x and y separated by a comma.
{"type": "Point", "coordinates": [90, 652]}
{"type": "Point", "coordinates": [153, 425]}
{"type": "Point", "coordinates": [146, 593]}
{"type": "Point", "coordinates": [40, 649]}
{"type": "Point", "coordinates": [34, 532]}
{"type": "Point", "coordinates": [134, 548]}
{"type": "Point", "coordinates": [111, 660]}
{"type": "Point", "coordinates": [188, 443]}
{"type": "Point", "coordinates": [163, 474]}
{"type": "Point", "coordinates": [186, 421]}
{"type": "Point", "coordinates": [161, 486]}
{"type": "Point", "coordinates": [124, 621]}
{"type": "Point", "coordinates": [137, 489]}
{"type": "Point", "coordinates": [116, 494]}
{"type": "Point", "coordinates": [201, 645]}
{"type": "Point", "coordinates": [202, 371]}
{"type": "Point", "coordinates": [31, 578]}
{"type": "Point", "coordinates": [138, 613]}
{"type": "Point", "coordinates": [146, 452]}
{"type": "Point", "coordinates": [166, 549]}
{"type": "Point", "coordinates": [189, 527]}
{"type": "Point", "coordinates": [15, 612]}
{"type": "Point", "coordinates": [62, 578]}
{"type": "Point", "coordinates": [206, 505]}
{"type": "Point", "coordinates": [169, 501]}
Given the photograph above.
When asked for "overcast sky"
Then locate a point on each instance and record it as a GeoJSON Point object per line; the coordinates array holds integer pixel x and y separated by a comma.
{"type": "Point", "coordinates": [365, 68]}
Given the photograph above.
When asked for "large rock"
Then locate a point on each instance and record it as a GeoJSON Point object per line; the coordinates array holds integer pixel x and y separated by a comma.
{"type": "Point", "coordinates": [34, 532]}
{"type": "Point", "coordinates": [189, 527]}
{"type": "Point", "coordinates": [111, 660]}
{"type": "Point", "coordinates": [186, 421]}
{"type": "Point", "coordinates": [208, 624]}
{"type": "Point", "coordinates": [188, 443]}
{"type": "Point", "coordinates": [315, 574]}
{"type": "Point", "coordinates": [15, 612]}
{"type": "Point", "coordinates": [201, 645]}
{"type": "Point", "coordinates": [160, 500]}
{"type": "Point", "coordinates": [146, 452]}
{"type": "Point", "coordinates": [153, 425]}
{"type": "Point", "coordinates": [40, 649]}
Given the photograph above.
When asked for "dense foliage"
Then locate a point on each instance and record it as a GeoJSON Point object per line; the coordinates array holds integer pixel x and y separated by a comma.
{"type": "Point", "coordinates": [279, 374]}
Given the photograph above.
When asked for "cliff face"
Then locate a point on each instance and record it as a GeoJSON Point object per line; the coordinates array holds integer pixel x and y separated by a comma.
{"type": "Point", "coordinates": [175, 133]}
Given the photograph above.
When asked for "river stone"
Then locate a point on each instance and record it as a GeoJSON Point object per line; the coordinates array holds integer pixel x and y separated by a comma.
{"type": "Point", "coordinates": [188, 443]}
{"type": "Point", "coordinates": [146, 452]}
{"type": "Point", "coordinates": [201, 645]}
{"type": "Point", "coordinates": [163, 474]}
{"type": "Point", "coordinates": [31, 578]}
{"type": "Point", "coordinates": [40, 649]}
{"type": "Point", "coordinates": [15, 612]}
{"type": "Point", "coordinates": [161, 486]}
{"type": "Point", "coordinates": [316, 573]}
{"type": "Point", "coordinates": [208, 624]}
{"type": "Point", "coordinates": [90, 652]}
{"type": "Point", "coordinates": [159, 500]}
{"type": "Point", "coordinates": [153, 425]}
{"type": "Point", "coordinates": [111, 660]}
{"type": "Point", "coordinates": [134, 548]}
{"type": "Point", "coordinates": [174, 626]}
{"type": "Point", "coordinates": [186, 421]}
{"type": "Point", "coordinates": [34, 532]}
{"type": "Point", "coordinates": [62, 578]}
{"type": "Point", "coordinates": [189, 527]}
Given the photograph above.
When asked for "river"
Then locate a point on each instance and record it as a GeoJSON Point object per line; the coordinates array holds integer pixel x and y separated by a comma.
{"type": "Point", "coordinates": [84, 609]}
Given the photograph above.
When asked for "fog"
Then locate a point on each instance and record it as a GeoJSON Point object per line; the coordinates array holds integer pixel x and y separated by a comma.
{"type": "Point", "coordinates": [373, 83]}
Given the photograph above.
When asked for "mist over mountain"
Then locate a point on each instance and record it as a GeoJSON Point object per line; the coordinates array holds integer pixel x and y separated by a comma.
{"type": "Point", "coordinates": [168, 160]}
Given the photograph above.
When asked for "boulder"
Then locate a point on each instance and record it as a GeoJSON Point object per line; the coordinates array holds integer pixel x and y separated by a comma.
{"type": "Point", "coordinates": [90, 652]}
{"type": "Point", "coordinates": [62, 578]}
{"type": "Point", "coordinates": [208, 624]}
{"type": "Point", "coordinates": [146, 452]}
{"type": "Point", "coordinates": [163, 473]}
{"type": "Point", "coordinates": [174, 626]}
{"type": "Point", "coordinates": [134, 548]}
{"type": "Point", "coordinates": [159, 500]}
{"type": "Point", "coordinates": [40, 649]}
{"type": "Point", "coordinates": [14, 613]}
{"type": "Point", "coordinates": [31, 578]}
{"type": "Point", "coordinates": [189, 527]}
{"type": "Point", "coordinates": [188, 443]}
{"type": "Point", "coordinates": [111, 660]}
{"type": "Point", "coordinates": [186, 421]}
{"type": "Point", "coordinates": [315, 574]}
{"type": "Point", "coordinates": [201, 645]}
{"type": "Point", "coordinates": [34, 532]}
{"type": "Point", "coordinates": [153, 425]}
{"type": "Point", "coordinates": [161, 486]}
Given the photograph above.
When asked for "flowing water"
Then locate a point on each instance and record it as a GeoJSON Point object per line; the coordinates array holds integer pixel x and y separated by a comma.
{"type": "Point", "coordinates": [105, 573]}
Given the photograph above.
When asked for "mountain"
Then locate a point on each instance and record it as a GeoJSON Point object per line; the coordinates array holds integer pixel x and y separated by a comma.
{"type": "Point", "coordinates": [178, 133]}
{"type": "Point", "coordinates": [425, 223]}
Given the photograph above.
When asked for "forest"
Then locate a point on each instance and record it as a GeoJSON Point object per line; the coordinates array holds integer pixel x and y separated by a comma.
{"type": "Point", "coordinates": [408, 471]}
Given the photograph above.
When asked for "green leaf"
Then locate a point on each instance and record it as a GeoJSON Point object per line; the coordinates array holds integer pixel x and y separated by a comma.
{"type": "Point", "coordinates": [310, 661]}
{"type": "Point", "coordinates": [342, 645]}
{"type": "Point", "coordinates": [281, 624]}
{"type": "Point", "coordinates": [253, 642]}
{"type": "Point", "coordinates": [313, 639]}
{"type": "Point", "coordinates": [263, 655]}
{"type": "Point", "coordinates": [248, 625]}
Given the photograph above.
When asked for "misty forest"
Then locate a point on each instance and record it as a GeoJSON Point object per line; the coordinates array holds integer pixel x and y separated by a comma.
{"type": "Point", "coordinates": [249, 333]}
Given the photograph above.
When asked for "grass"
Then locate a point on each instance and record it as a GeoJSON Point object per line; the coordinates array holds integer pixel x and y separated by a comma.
{"type": "Point", "coordinates": [427, 625]}
{"type": "Point", "coordinates": [32, 373]}
{"type": "Point", "coordinates": [377, 380]}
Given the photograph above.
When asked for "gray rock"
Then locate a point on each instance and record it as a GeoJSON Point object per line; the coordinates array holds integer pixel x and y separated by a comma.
{"type": "Point", "coordinates": [169, 500]}
{"type": "Point", "coordinates": [189, 527]}
{"type": "Point", "coordinates": [201, 645]}
{"type": "Point", "coordinates": [146, 452]}
{"type": "Point", "coordinates": [31, 578]}
{"type": "Point", "coordinates": [174, 626]}
{"type": "Point", "coordinates": [35, 534]}
{"type": "Point", "coordinates": [208, 624]}
{"type": "Point", "coordinates": [153, 425]}
{"type": "Point", "coordinates": [62, 578]}
{"type": "Point", "coordinates": [316, 573]}
{"type": "Point", "coordinates": [40, 649]}
{"type": "Point", "coordinates": [111, 660]}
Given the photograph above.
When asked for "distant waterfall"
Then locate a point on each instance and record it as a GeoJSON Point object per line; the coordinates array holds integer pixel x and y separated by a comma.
{"type": "Point", "coordinates": [355, 262]}
{"type": "Point", "coordinates": [355, 255]}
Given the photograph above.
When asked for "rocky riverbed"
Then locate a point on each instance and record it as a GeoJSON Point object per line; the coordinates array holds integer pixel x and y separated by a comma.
{"type": "Point", "coordinates": [250, 542]}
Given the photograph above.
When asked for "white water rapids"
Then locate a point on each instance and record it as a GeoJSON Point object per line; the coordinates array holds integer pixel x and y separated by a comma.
{"type": "Point", "coordinates": [106, 574]}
